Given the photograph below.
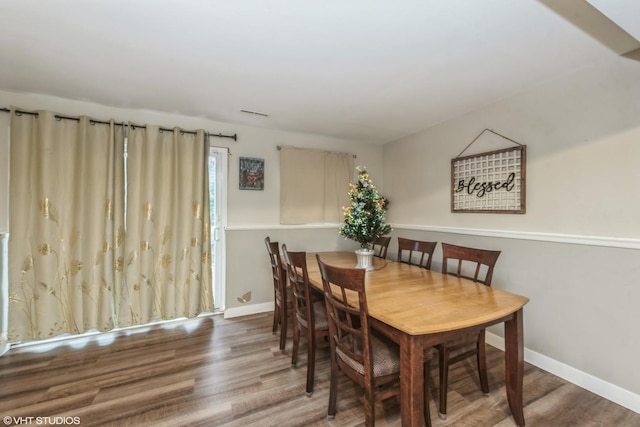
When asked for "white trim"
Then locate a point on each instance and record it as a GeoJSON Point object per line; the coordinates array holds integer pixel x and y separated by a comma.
{"type": "Point", "coordinates": [587, 381]}
{"type": "Point", "coordinates": [219, 229]}
{"type": "Point", "coordinates": [574, 239]}
{"type": "Point", "coordinates": [613, 242]}
{"type": "Point", "coordinates": [281, 227]}
{"type": "Point", "coordinates": [247, 310]}
{"type": "Point", "coordinates": [4, 343]}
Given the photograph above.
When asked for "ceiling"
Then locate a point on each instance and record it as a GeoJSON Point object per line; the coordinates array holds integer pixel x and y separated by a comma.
{"type": "Point", "coordinates": [366, 70]}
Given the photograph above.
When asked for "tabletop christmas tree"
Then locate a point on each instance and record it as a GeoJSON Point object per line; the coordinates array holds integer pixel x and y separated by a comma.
{"type": "Point", "coordinates": [364, 218]}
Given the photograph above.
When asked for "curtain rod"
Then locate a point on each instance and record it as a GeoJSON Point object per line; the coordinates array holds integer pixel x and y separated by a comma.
{"type": "Point", "coordinates": [58, 117]}
{"type": "Point", "coordinates": [279, 147]}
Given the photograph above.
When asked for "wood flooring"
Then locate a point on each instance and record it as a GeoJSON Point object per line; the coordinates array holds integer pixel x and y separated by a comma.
{"type": "Point", "coordinates": [216, 372]}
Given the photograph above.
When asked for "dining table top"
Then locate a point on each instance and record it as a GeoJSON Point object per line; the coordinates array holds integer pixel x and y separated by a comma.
{"type": "Point", "coordinates": [418, 301]}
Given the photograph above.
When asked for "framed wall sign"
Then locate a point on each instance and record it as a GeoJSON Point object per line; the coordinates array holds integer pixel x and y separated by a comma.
{"type": "Point", "coordinates": [491, 182]}
{"type": "Point", "coordinates": [251, 173]}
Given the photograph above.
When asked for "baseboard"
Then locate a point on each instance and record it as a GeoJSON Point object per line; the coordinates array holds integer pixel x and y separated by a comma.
{"type": "Point", "coordinates": [4, 343]}
{"type": "Point", "coordinates": [595, 385]}
{"type": "Point", "coordinates": [247, 310]}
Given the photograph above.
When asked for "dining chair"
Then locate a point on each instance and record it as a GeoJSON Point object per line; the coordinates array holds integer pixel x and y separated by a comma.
{"type": "Point", "coordinates": [420, 248]}
{"type": "Point", "coordinates": [380, 246]}
{"type": "Point", "coordinates": [477, 265]}
{"type": "Point", "coordinates": [281, 292]}
{"type": "Point", "coordinates": [368, 358]}
{"type": "Point", "coordinates": [309, 313]}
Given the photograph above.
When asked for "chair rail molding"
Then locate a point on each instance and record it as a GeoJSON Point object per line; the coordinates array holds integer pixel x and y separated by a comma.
{"type": "Point", "coordinates": [254, 227]}
{"type": "Point", "coordinates": [575, 239]}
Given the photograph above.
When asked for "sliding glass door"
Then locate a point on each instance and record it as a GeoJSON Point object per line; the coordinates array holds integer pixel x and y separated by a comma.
{"type": "Point", "coordinates": [218, 209]}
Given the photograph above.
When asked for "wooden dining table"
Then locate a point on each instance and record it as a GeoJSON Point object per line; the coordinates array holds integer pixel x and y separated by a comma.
{"type": "Point", "coordinates": [419, 308]}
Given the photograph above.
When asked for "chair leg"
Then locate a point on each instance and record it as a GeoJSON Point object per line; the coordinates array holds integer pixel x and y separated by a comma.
{"type": "Point", "coordinates": [443, 354]}
{"type": "Point", "coordinates": [482, 362]}
{"type": "Point", "coordinates": [296, 343]}
{"type": "Point", "coordinates": [276, 317]}
{"type": "Point", "coordinates": [311, 362]}
{"type": "Point", "coordinates": [333, 387]}
{"type": "Point", "coordinates": [369, 408]}
{"type": "Point", "coordinates": [283, 326]}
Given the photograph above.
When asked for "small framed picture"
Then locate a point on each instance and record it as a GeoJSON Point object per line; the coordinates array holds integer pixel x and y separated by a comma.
{"type": "Point", "coordinates": [251, 173]}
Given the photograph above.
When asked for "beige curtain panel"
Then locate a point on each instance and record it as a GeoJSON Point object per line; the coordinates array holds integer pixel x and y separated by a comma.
{"type": "Point", "coordinates": [167, 260]}
{"type": "Point", "coordinates": [314, 185]}
{"type": "Point", "coordinates": [81, 257]}
{"type": "Point", "coordinates": [66, 225]}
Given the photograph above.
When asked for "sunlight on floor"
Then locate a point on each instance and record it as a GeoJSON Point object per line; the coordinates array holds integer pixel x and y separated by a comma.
{"type": "Point", "coordinates": [103, 339]}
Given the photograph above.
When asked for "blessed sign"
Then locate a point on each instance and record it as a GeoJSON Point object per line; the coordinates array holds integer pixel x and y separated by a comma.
{"type": "Point", "coordinates": [492, 182]}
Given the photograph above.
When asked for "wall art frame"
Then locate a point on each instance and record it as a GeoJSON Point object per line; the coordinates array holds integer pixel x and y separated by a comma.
{"type": "Point", "coordinates": [490, 182]}
{"type": "Point", "coordinates": [251, 175]}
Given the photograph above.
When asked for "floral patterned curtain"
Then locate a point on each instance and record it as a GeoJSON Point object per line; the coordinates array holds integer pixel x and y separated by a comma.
{"type": "Point", "coordinates": [81, 259]}
{"type": "Point", "coordinates": [66, 225]}
{"type": "Point", "coordinates": [167, 260]}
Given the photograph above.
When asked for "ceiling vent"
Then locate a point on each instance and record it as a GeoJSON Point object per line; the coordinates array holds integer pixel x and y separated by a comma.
{"type": "Point", "coordinates": [256, 113]}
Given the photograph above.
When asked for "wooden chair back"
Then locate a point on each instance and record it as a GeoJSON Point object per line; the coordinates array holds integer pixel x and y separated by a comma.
{"type": "Point", "coordinates": [296, 266]}
{"type": "Point", "coordinates": [416, 248]}
{"type": "Point", "coordinates": [368, 358]}
{"type": "Point", "coordinates": [472, 263]}
{"type": "Point", "coordinates": [281, 301]}
{"type": "Point", "coordinates": [348, 316]}
{"type": "Point", "coordinates": [380, 246]}
{"type": "Point", "coordinates": [309, 311]}
{"type": "Point", "coordinates": [277, 269]}
{"type": "Point", "coordinates": [477, 265]}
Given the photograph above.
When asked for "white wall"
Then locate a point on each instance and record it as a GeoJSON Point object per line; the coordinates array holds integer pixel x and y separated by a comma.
{"type": "Point", "coordinates": [581, 133]}
{"type": "Point", "coordinates": [575, 253]}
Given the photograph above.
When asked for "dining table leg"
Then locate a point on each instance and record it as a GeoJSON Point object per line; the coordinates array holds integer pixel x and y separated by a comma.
{"type": "Point", "coordinates": [514, 365]}
{"type": "Point", "coordinates": [411, 381]}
